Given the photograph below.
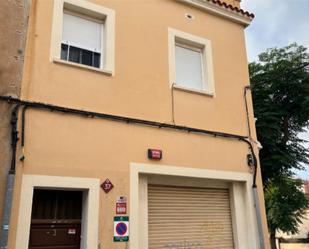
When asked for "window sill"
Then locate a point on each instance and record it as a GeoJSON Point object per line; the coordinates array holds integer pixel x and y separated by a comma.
{"type": "Point", "coordinates": [196, 91]}
{"type": "Point", "coordinates": [72, 64]}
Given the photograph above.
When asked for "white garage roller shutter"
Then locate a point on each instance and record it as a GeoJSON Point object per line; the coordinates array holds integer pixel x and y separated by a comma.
{"type": "Point", "coordinates": [183, 218]}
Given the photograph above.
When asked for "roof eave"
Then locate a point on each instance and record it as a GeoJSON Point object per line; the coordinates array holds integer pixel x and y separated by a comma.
{"type": "Point", "coordinates": [219, 11]}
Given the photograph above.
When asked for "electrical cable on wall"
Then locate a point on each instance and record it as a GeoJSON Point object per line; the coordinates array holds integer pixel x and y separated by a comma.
{"type": "Point", "coordinates": [246, 88]}
{"type": "Point", "coordinates": [88, 114]}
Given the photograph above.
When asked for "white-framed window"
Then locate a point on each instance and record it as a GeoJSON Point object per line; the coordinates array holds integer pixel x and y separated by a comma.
{"type": "Point", "coordinates": [83, 35]}
{"type": "Point", "coordinates": [82, 40]}
{"type": "Point", "coordinates": [190, 62]}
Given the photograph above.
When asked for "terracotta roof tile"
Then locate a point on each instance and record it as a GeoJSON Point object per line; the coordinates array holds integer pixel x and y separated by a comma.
{"type": "Point", "coordinates": [231, 7]}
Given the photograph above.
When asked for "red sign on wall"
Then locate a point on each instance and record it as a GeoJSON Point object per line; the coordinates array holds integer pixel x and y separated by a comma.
{"type": "Point", "coordinates": [121, 208]}
{"type": "Point", "coordinates": [154, 154]}
{"type": "Point", "coordinates": [107, 186]}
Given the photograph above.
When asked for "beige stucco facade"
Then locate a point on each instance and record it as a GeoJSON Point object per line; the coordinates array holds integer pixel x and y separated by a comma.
{"type": "Point", "coordinates": [75, 147]}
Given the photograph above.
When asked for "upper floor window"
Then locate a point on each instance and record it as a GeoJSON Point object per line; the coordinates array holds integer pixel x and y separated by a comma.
{"type": "Point", "coordinates": [189, 66]}
{"type": "Point", "coordinates": [82, 40]}
{"type": "Point", "coordinates": [190, 60]}
{"type": "Point", "coordinates": [83, 35]}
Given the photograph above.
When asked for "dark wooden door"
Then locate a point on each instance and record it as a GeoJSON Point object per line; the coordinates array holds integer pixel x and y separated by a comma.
{"type": "Point", "coordinates": [56, 220]}
{"type": "Point", "coordinates": [55, 236]}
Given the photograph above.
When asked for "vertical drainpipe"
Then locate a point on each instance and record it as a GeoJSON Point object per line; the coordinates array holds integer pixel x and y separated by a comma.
{"type": "Point", "coordinates": [254, 185]}
{"type": "Point", "coordinates": [258, 217]}
{"type": "Point", "coordinates": [10, 181]}
{"type": "Point", "coordinates": [257, 207]}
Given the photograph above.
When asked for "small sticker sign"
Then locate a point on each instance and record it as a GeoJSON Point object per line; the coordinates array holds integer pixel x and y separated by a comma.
{"type": "Point", "coordinates": [72, 231]}
{"type": "Point", "coordinates": [121, 205]}
{"type": "Point", "coordinates": [107, 186]}
{"type": "Point", "coordinates": [121, 229]}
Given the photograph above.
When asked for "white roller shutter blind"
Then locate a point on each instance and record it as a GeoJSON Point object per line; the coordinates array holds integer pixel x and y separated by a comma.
{"type": "Point", "coordinates": [189, 67]}
{"type": "Point", "coordinates": [182, 218]}
{"type": "Point", "coordinates": [82, 33]}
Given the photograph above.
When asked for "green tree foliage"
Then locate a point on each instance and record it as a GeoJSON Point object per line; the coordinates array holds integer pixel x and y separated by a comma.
{"type": "Point", "coordinates": [286, 205]}
{"type": "Point", "coordinates": [281, 104]}
{"type": "Point", "coordinates": [280, 88]}
{"type": "Point", "coordinates": [283, 202]}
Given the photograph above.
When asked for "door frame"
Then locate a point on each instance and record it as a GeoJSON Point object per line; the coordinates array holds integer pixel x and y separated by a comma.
{"type": "Point", "coordinates": [90, 213]}
{"type": "Point", "coordinates": [242, 206]}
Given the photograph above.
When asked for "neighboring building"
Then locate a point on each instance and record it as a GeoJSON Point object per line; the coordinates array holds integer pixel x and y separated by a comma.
{"type": "Point", "coordinates": [306, 187]}
{"type": "Point", "coordinates": [301, 239]}
{"type": "Point", "coordinates": [104, 81]}
{"type": "Point", "coordinates": [13, 27]}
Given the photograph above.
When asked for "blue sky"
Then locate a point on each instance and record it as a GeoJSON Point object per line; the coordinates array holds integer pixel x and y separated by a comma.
{"type": "Point", "coordinates": [277, 23]}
